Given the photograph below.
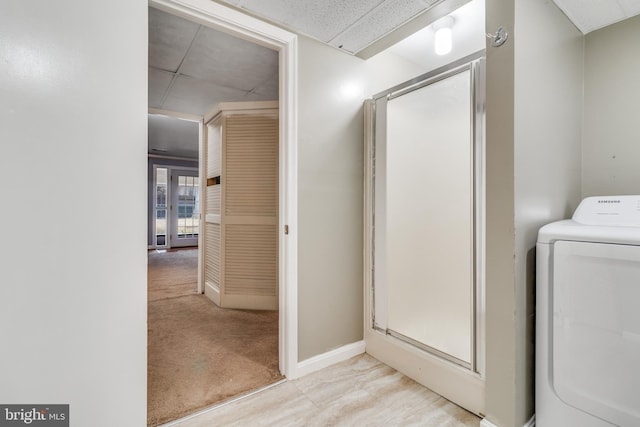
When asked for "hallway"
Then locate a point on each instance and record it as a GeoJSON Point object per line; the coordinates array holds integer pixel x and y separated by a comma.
{"type": "Point", "coordinates": [198, 353]}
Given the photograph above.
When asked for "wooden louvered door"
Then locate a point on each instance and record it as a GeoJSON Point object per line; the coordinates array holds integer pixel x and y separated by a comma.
{"type": "Point", "coordinates": [243, 246]}
{"type": "Point", "coordinates": [212, 205]}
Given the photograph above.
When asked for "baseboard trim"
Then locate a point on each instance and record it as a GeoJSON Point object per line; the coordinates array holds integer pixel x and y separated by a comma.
{"type": "Point", "coordinates": [530, 423]}
{"type": "Point", "coordinates": [329, 358]}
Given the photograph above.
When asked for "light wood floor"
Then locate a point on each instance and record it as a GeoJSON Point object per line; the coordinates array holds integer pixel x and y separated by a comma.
{"type": "Point", "coordinates": [358, 392]}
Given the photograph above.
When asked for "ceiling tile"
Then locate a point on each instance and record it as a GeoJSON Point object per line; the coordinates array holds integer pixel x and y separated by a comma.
{"type": "Point", "coordinates": [255, 96]}
{"type": "Point", "coordinates": [177, 137]}
{"type": "Point", "coordinates": [215, 57]}
{"type": "Point", "coordinates": [323, 20]}
{"type": "Point", "coordinates": [158, 83]}
{"type": "Point", "coordinates": [384, 19]}
{"type": "Point", "coordinates": [193, 96]}
{"type": "Point", "coordinates": [590, 15]}
{"type": "Point", "coordinates": [630, 7]}
{"type": "Point", "coordinates": [169, 39]}
{"type": "Point", "coordinates": [268, 88]}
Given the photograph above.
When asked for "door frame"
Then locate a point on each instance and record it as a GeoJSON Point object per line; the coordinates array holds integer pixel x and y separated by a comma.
{"type": "Point", "coordinates": [233, 22]}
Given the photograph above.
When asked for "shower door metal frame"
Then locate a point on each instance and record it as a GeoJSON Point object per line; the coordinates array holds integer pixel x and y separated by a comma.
{"type": "Point", "coordinates": [475, 64]}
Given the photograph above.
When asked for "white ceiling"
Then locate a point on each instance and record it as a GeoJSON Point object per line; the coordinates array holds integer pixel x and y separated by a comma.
{"type": "Point", "coordinates": [590, 15]}
{"type": "Point", "coordinates": [468, 36]}
{"type": "Point", "coordinates": [355, 25]}
{"type": "Point", "coordinates": [349, 25]}
{"type": "Point", "coordinates": [192, 67]}
{"type": "Point", "coordinates": [174, 137]}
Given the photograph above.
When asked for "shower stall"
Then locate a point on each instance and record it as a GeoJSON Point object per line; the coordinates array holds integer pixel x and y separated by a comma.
{"type": "Point", "coordinates": [424, 233]}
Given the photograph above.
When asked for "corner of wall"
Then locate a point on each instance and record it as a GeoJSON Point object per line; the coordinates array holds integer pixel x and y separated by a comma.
{"type": "Point", "coordinates": [610, 146]}
{"type": "Point", "coordinates": [329, 358]}
{"type": "Point", "coordinates": [500, 392]}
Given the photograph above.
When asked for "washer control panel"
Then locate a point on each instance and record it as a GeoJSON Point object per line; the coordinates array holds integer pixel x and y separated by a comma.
{"type": "Point", "coordinates": [620, 211]}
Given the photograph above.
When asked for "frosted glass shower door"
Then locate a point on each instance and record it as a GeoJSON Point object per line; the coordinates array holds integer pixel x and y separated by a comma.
{"type": "Point", "coordinates": [430, 217]}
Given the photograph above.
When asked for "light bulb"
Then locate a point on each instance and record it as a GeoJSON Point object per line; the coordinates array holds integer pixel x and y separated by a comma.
{"type": "Point", "coordinates": [443, 42]}
{"type": "Point", "coordinates": [443, 37]}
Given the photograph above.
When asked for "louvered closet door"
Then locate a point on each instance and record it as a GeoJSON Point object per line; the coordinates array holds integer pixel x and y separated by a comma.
{"type": "Point", "coordinates": [250, 212]}
{"type": "Point", "coordinates": [212, 206]}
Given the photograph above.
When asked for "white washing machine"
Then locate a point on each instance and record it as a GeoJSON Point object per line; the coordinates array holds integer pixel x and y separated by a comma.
{"type": "Point", "coordinates": [588, 316]}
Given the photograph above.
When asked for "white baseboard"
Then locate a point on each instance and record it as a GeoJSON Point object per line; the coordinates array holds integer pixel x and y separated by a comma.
{"type": "Point", "coordinates": [530, 423]}
{"type": "Point", "coordinates": [329, 358]}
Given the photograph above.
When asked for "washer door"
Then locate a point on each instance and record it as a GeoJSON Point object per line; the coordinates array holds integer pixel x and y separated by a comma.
{"type": "Point", "coordinates": [596, 329]}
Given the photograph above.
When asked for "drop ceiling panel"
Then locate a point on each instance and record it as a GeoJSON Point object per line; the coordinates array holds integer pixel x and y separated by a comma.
{"type": "Point", "coordinates": [322, 20]}
{"type": "Point", "coordinates": [268, 88]}
{"type": "Point", "coordinates": [590, 15]}
{"type": "Point", "coordinates": [380, 21]}
{"type": "Point", "coordinates": [257, 97]}
{"type": "Point", "coordinates": [159, 82]}
{"type": "Point", "coordinates": [229, 61]}
{"type": "Point", "coordinates": [194, 96]}
{"type": "Point", "coordinates": [169, 39]}
{"type": "Point", "coordinates": [630, 7]}
{"type": "Point", "coordinates": [354, 25]}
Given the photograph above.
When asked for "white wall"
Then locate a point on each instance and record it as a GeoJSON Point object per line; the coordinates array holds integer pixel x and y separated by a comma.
{"type": "Point", "coordinates": [386, 70]}
{"type": "Point", "coordinates": [332, 88]}
{"type": "Point", "coordinates": [548, 133]}
{"type": "Point", "coordinates": [500, 361]}
{"type": "Point", "coordinates": [329, 197]}
{"type": "Point", "coordinates": [611, 143]}
{"type": "Point", "coordinates": [544, 182]}
{"type": "Point", "coordinates": [73, 177]}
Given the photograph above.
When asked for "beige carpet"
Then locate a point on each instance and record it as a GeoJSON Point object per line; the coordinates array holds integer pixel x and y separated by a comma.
{"type": "Point", "coordinates": [173, 273]}
{"type": "Point", "coordinates": [199, 354]}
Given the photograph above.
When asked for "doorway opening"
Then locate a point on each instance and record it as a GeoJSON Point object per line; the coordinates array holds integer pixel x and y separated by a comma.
{"type": "Point", "coordinates": [236, 30]}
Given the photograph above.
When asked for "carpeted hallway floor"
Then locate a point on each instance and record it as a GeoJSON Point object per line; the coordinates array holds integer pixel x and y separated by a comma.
{"type": "Point", "coordinates": [199, 354]}
{"type": "Point", "coordinates": [172, 274]}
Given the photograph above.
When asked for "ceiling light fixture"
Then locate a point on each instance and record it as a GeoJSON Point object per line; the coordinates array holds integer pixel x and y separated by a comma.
{"type": "Point", "coordinates": [443, 42]}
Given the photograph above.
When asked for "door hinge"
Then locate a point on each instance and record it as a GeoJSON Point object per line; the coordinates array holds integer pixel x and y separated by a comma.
{"type": "Point", "coordinates": [286, 229]}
